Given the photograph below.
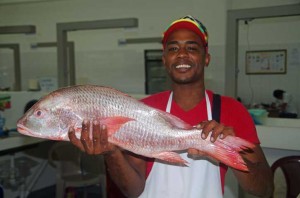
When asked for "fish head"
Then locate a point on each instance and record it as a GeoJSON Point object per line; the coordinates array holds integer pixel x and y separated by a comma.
{"type": "Point", "coordinates": [49, 118]}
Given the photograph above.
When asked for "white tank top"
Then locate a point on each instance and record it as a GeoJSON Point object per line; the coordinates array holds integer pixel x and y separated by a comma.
{"type": "Point", "coordinates": [200, 179]}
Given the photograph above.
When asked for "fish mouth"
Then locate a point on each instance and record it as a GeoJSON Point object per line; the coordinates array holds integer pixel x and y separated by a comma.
{"type": "Point", "coordinates": [24, 130]}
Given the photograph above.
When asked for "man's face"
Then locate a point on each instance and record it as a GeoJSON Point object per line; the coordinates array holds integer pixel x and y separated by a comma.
{"type": "Point", "coordinates": [184, 57]}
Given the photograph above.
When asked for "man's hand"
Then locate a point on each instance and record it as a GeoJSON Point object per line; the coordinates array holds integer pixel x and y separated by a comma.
{"type": "Point", "coordinates": [97, 143]}
{"type": "Point", "coordinates": [216, 129]}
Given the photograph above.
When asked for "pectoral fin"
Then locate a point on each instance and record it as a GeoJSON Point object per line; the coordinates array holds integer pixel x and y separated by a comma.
{"type": "Point", "coordinates": [113, 124]}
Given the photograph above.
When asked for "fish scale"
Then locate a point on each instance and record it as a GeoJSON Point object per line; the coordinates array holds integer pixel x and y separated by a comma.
{"type": "Point", "coordinates": [131, 125]}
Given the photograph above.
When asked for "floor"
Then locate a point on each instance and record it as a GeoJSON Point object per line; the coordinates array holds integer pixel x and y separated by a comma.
{"type": "Point", "coordinates": [49, 192]}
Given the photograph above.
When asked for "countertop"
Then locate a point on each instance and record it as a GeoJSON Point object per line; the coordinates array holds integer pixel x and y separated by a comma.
{"type": "Point", "coordinates": [280, 133]}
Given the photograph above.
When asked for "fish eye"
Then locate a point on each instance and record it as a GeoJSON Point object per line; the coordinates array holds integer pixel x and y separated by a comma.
{"type": "Point", "coordinates": [38, 113]}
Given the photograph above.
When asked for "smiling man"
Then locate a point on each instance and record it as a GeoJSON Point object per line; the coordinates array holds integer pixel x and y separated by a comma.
{"type": "Point", "coordinates": [185, 56]}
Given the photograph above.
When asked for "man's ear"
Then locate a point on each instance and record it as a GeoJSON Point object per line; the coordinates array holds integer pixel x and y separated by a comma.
{"type": "Point", "coordinates": [207, 59]}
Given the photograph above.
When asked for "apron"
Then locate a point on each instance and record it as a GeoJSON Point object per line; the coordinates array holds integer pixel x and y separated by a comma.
{"type": "Point", "coordinates": [200, 179]}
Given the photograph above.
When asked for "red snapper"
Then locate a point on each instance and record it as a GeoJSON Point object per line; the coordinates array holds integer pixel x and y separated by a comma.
{"type": "Point", "coordinates": [131, 125]}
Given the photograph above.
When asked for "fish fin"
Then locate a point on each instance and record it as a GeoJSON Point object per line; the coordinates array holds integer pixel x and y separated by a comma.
{"type": "Point", "coordinates": [236, 143]}
{"type": "Point", "coordinates": [171, 157]}
{"type": "Point", "coordinates": [228, 151]}
{"type": "Point", "coordinates": [113, 124]}
{"type": "Point", "coordinates": [175, 121]}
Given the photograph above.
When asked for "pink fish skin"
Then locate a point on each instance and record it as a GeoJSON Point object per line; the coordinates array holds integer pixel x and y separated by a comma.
{"type": "Point", "coordinates": [131, 125]}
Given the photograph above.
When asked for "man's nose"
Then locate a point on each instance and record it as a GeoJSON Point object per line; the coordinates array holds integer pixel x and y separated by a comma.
{"type": "Point", "coordinates": [182, 52]}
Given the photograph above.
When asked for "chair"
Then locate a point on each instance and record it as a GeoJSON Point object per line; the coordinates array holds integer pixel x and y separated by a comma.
{"type": "Point", "coordinates": [76, 169]}
{"type": "Point", "coordinates": [290, 167]}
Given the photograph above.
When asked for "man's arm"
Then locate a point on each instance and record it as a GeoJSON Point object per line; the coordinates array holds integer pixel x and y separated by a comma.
{"type": "Point", "coordinates": [127, 172]}
{"type": "Point", "coordinates": [259, 180]}
{"type": "Point", "coordinates": [126, 169]}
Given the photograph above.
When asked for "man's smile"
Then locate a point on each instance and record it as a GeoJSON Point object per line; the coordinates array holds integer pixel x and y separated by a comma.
{"type": "Point", "coordinates": [183, 66]}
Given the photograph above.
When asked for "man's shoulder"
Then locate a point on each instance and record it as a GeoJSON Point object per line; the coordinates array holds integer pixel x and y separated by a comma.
{"type": "Point", "coordinates": [230, 100]}
{"type": "Point", "coordinates": [230, 104]}
{"type": "Point", "coordinates": [287, 97]}
{"type": "Point", "coordinates": [225, 99]}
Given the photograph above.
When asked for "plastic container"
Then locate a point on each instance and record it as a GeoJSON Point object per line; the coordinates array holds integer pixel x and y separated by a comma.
{"type": "Point", "coordinates": [5, 102]}
{"type": "Point", "coordinates": [2, 123]}
{"type": "Point", "coordinates": [259, 116]}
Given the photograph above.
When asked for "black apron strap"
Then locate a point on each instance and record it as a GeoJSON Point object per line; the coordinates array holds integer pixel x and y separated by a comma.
{"type": "Point", "coordinates": [216, 109]}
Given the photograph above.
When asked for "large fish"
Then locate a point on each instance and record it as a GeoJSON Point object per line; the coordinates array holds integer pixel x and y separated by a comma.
{"type": "Point", "coordinates": [131, 125]}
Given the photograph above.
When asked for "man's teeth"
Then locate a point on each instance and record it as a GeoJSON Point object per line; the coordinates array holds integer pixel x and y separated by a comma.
{"type": "Point", "coordinates": [182, 66]}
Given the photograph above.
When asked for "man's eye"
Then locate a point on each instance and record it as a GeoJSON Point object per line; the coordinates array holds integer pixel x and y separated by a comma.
{"type": "Point", "coordinates": [172, 49]}
{"type": "Point", "coordinates": [191, 48]}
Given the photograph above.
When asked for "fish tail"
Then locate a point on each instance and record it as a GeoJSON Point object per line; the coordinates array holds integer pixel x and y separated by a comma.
{"type": "Point", "coordinates": [228, 151]}
{"type": "Point", "coordinates": [236, 143]}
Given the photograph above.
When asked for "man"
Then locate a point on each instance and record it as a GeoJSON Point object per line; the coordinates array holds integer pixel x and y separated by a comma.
{"type": "Point", "coordinates": [285, 104]}
{"type": "Point", "coordinates": [185, 57]}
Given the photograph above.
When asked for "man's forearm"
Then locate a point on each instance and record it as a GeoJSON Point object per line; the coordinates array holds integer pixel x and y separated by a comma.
{"type": "Point", "coordinates": [126, 176]}
{"type": "Point", "coordinates": [259, 180]}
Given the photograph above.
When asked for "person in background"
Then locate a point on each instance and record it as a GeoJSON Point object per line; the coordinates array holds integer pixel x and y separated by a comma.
{"type": "Point", "coordinates": [185, 56]}
{"type": "Point", "coordinates": [29, 104]}
{"type": "Point", "coordinates": [285, 104]}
